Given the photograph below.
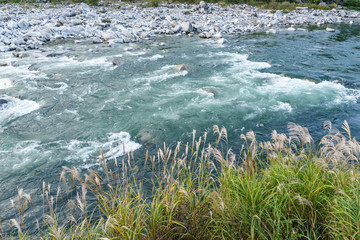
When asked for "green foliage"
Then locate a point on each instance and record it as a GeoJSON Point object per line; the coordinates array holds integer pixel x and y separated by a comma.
{"type": "Point", "coordinates": [352, 4]}
{"type": "Point", "coordinates": [286, 188]}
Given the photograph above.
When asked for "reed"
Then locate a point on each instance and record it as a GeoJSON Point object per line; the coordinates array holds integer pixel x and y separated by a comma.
{"type": "Point", "coordinates": [285, 188]}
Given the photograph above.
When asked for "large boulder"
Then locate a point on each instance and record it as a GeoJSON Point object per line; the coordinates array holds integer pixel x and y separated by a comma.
{"type": "Point", "coordinates": [203, 5]}
{"type": "Point", "coordinates": [186, 27]}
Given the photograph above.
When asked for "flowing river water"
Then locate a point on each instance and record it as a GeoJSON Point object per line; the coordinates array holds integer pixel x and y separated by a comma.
{"type": "Point", "coordinates": [72, 103]}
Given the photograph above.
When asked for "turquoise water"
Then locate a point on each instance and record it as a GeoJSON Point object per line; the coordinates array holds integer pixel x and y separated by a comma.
{"type": "Point", "coordinates": [68, 107]}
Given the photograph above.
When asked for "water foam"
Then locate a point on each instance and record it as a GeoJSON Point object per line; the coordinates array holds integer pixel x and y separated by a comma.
{"type": "Point", "coordinates": [115, 145]}
{"type": "Point", "coordinates": [16, 108]}
{"type": "Point", "coordinates": [5, 83]}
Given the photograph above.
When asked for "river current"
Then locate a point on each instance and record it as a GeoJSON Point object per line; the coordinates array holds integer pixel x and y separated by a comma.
{"type": "Point", "coordinates": [72, 103]}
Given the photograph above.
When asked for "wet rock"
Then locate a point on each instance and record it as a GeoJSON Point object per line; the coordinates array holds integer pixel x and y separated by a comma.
{"type": "Point", "coordinates": [3, 104]}
{"type": "Point", "coordinates": [52, 55]}
{"type": "Point", "coordinates": [205, 35]}
{"type": "Point", "coordinates": [181, 67]}
{"type": "Point", "coordinates": [221, 41]}
{"type": "Point", "coordinates": [330, 29]}
{"type": "Point", "coordinates": [34, 67]}
{"type": "Point", "coordinates": [20, 54]}
{"type": "Point", "coordinates": [117, 61]}
{"type": "Point", "coordinates": [211, 91]}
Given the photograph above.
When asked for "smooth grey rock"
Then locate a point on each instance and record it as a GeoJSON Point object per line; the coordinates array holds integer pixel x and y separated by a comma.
{"type": "Point", "coordinates": [117, 61]}
{"type": "Point", "coordinates": [34, 67]}
{"type": "Point", "coordinates": [55, 54]}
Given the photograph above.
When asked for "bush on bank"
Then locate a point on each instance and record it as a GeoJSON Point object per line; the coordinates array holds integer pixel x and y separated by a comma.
{"type": "Point", "coordinates": [286, 188]}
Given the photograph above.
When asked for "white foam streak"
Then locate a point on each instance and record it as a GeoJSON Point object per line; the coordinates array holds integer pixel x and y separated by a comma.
{"type": "Point", "coordinates": [114, 146]}
{"type": "Point", "coordinates": [5, 83]}
{"type": "Point", "coordinates": [16, 108]}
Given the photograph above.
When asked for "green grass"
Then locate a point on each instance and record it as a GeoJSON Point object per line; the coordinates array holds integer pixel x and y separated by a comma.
{"type": "Point", "coordinates": [286, 188]}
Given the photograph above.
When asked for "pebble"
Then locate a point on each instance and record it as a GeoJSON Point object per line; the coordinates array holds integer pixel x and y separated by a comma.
{"type": "Point", "coordinates": [21, 29]}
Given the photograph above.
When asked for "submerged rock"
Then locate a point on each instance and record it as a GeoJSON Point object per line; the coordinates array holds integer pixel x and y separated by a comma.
{"type": "Point", "coordinates": [3, 104]}
{"type": "Point", "coordinates": [181, 67]}
{"type": "Point", "coordinates": [210, 91]}
{"type": "Point", "coordinates": [117, 61]}
{"type": "Point", "coordinates": [55, 54]}
{"type": "Point", "coordinates": [34, 67]}
{"type": "Point", "coordinates": [221, 41]}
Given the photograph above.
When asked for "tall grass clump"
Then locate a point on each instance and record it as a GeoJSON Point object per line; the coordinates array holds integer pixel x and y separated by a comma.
{"type": "Point", "coordinates": [285, 188]}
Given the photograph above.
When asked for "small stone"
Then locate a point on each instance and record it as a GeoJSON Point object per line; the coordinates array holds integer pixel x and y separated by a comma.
{"type": "Point", "coordinates": [330, 29]}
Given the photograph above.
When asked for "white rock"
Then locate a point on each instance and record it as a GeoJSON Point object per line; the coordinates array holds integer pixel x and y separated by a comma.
{"type": "Point", "coordinates": [221, 41]}
{"type": "Point", "coordinates": [291, 29]}
{"type": "Point", "coordinates": [106, 36]}
{"type": "Point", "coordinates": [203, 5]}
{"type": "Point", "coordinates": [177, 29]}
{"type": "Point", "coordinates": [84, 7]}
{"type": "Point", "coordinates": [96, 40]}
{"type": "Point", "coordinates": [186, 27]}
{"type": "Point", "coordinates": [330, 29]}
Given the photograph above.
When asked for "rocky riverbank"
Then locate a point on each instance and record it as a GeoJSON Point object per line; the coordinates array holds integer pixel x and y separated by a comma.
{"type": "Point", "coordinates": [23, 28]}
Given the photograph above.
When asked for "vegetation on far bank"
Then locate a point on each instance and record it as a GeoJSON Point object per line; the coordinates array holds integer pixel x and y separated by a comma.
{"type": "Point", "coordinates": [286, 188]}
